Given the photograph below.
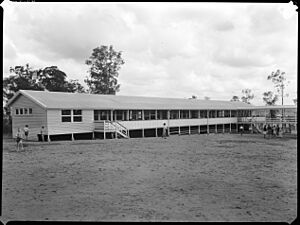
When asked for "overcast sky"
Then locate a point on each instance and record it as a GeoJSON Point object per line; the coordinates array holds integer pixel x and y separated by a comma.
{"type": "Point", "coordinates": [169, 49]}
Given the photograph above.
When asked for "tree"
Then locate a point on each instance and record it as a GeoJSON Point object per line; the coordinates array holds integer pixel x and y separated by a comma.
{"type": "Point", "coordinates": [270, 98]}
{"type": "Point", "coordinates": [53, 79]}
{"type": "Point", "coordinates": [247, 95]}
{"type": "Point", "coordinates": [193, 97]}
{"type": "Point", "coordinates": [21, 78]}
{"type": "Point", "coordinates": [295, 101]}
{"type": "Point", "coordinates": [75, 86]}
{"type": "Point", "coordinates": [49, 78]}
{"type": "Point", "coordinates": [104, 64]}
{"type": "Point", "coordinates": [280, 83]}
{"type": "Point", "coordinates": [235, 99]}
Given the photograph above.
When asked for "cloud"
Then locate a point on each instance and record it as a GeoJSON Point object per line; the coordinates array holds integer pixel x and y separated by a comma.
{"type": "Point", "coordinates": [170, 49]}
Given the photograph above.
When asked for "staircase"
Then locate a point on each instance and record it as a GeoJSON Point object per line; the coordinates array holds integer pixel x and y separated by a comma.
{"type": "Point", "coordinates": [120, 129]}
{"type": "Point", "coordinates": [108, 126]}
{"type": "Point", "coordinates": [256, 129]}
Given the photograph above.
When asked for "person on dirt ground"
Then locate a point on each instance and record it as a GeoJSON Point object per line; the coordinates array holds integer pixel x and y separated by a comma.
{"type": "Point", "coordinates": [269, 130]}
{"type": "Point", "coordinates": [42, 132]}
{"type": "Point", "coordinates": [19, 138]}
{"type": "Point", "coordinates": [274, 130]}
{"type": "Point", "coordinates": [164, 133]}
{"type": "Point", "coordinates": [277, 130]}
{"type": "Point", "coordinates": [265, 130]}
{"type": "Point", "coordinates": [26, 132]}
{"type": "Point", "coordinates": [241, 130]}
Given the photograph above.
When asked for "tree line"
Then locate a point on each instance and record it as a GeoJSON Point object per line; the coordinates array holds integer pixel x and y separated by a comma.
{"type": "Point", "coordinates": [269, 97]}
{"type": "Point", "coordinates": [104, 63]}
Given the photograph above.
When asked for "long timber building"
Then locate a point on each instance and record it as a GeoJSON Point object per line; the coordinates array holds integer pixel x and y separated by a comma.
{"type": "Point", "coordinates": [86, 116]}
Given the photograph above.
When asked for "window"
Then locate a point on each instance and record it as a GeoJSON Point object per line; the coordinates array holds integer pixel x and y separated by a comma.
{"type": "Point", "coordinates": [233, 113]}
{"type": "Point", "coordinates": [227, 113]}
{"type": "Point", "coordinates": [203, 113]}
{"type": "Point", "coordinates": [23, 111]}
{"type": "Point", "coordinates": [77, 115]}
{"type": "Point", "coordinates": [149, 114]}
{"type": "Point", "coordinates": [162, 114]}
{"type": "Point", "coordinates": [96, 115]}
{"type": "Point", "coordinates": [66, 115]}
{"type": "Point", "coordinates": [212, 114]}
{"type": "Point", "coordinates": [194, 114]}
{"type": "Point", "coordinates": [120, 114]}
{"type": "Point", "coordinates": [219, 113]}
{"type": "Point", "coordinates": [135, 115]}
{"type": "Point", "coordinates": [184, 114]}
{"type": "Point", "coordinates": [174, 114]}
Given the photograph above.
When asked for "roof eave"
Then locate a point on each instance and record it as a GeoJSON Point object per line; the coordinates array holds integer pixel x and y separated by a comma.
{"type": "Point", "coordinates": [24, 93]}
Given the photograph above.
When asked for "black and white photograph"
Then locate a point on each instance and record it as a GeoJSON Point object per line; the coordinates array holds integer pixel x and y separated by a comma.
{"type": "Point", "coordinates": [149, 112]}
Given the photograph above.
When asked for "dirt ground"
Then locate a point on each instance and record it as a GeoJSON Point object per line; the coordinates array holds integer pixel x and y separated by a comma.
{"type": "Point", "coordinates": [223, 177]}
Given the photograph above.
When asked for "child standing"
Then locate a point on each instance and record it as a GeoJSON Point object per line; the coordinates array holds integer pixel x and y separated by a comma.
{"type": "Point", "coordinates": [26, 132]}
{"type": "Point", "coordinates": [241, 130]}
{"type": "Point", "coordinates": [265, 130]}
{"type": "Point", "coordinates": [164, 134]}
{"type": "Point", "coordinates": [19, 137]}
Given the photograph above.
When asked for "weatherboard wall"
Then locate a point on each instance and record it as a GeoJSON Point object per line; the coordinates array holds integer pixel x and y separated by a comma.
{"type": "Point", "coordinates": [56, 126]}
{"type": "Point", "coordinates": [34, 121]}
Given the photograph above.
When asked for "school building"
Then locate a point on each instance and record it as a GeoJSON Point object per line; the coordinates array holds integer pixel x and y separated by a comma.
{"type": "Point", "coordinates": [85, 116]}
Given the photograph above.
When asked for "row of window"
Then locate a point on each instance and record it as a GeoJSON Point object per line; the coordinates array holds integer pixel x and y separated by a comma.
{"type": "Point", "coordinates": [23, 111]}
{"type": "Point", "coordinates": [74, 115]}
{"type": "Point", "coordinates": [125, 115]}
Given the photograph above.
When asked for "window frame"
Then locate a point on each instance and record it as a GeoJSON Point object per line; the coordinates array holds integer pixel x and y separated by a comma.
{"type": "Point", "coordinates": [66, 116]}
{"type": "Point", "coordinates": [77, 113]}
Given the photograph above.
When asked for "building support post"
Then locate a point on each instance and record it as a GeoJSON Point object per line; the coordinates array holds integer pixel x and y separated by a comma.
{"type": "Point", "coordinates": [207, 122]}
{"type": "Point", "coordinates": [156, 132]}
{"type": "Point", "coordinates": [48, 138]}
{"type": "Point", "coordinates": [230, 128]}
{"type": "Point", "coordinates": [93, 135]}
{"type": "Point", "coordinates": [168, 115]}
{"type": "Point", "coordinates": [72, 137]}
{"type": "Point", "coordinates": [216, 128]}
{"type": "Point", "coordinates": [189, 130]}
{"type": "Point", "coordinates": [143, 133]}
{"type": "Point", "coordinates": [111, 115]}
{"type": "Point", "coordinates": [223, 128]}
{"type": "Point", "coordinates": [104, 134]}
{"type": "Point", "coordinates": [199, 129]}
{"type": "Point", "coordinates": [179, 130]}
{"type": "Point", "coordinates": [127, 116]}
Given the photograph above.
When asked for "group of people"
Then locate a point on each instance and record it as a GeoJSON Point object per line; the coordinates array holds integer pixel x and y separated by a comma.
{"type": "Point", "coordinates": [273, 131]}
{"type": "Point", "coordinates": [19, 136]}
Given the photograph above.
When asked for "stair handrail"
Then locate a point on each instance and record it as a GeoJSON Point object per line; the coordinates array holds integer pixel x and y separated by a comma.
{"type": "Point", "coordinates": [117, 126]}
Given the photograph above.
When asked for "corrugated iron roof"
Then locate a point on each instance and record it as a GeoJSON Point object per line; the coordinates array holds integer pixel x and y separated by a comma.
{"type": "Point", "coordinates": [63, 100]}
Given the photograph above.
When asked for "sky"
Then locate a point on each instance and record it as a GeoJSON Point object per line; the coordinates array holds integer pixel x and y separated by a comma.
{"type": "Point", "coordinates": [170, 49]}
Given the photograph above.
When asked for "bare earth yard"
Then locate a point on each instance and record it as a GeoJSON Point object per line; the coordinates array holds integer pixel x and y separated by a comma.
{"type": "Point", "coordinates": [223, 177]}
